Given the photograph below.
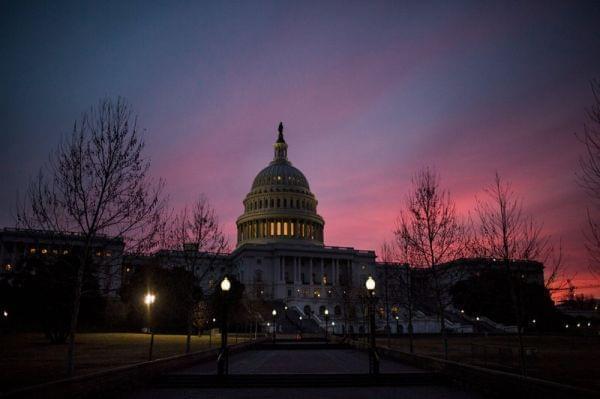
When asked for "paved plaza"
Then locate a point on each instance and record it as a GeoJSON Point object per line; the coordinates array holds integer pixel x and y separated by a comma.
{"type": "Point", "coordinates": [308, 361]}
{"type": "Point", "coordinates": [304, 362]}
{"type": "Point", "coordinates": [408, 392]}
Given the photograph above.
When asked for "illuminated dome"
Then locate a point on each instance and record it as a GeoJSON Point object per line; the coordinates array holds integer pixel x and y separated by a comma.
{"type": "Point", "coordinates": [280, 205]}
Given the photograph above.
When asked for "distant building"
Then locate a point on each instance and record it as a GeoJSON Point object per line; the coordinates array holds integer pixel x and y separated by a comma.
{"type": "Point", "coordinates": [18, 246]}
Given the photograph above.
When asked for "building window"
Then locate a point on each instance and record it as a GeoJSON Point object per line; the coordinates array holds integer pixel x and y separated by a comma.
{"type": "Point", "coordinates": [272, 228]}
{"type": "Point", "coordinates": [278, 228]}
{"type": "Point", "coordinates": [285, 228]}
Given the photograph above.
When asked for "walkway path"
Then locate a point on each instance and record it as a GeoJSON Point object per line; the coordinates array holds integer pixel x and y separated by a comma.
{"type": "Point", "coordinates": [309, 361]}
{"type": "Point", "coordinates": [278, 366]}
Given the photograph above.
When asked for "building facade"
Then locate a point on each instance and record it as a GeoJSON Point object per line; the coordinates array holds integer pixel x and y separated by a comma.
{"type": "Point", "coordinates": [280, 253]}
{"type": "Point", "coordinates": [18, 246]}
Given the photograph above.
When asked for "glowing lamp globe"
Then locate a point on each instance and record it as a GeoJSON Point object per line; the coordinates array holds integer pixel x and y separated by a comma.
{"type": "Point", "coordinates": [149, 299]}
{"type": "Point", "coordinates": [225, 284]}
{"type": "Point", "coordinates": [370, 284]}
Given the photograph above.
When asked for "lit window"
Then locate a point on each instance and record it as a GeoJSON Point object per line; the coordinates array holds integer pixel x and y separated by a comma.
{"type": "Point", "coordinates": [285, 229]}
{"type": "Point", "coordinates": [66, 252]}
{"type": "Point", "coordinates": [8, 267]}
{"type": "Point", "coordinates": [272, 228]}
{"type": "Point", "coordinates": [32, 250]}
{"type": "Point", "coordinates": [278, 228]}
{"type": "Point", "coordinates": [108, 253]}
{"type": "Point", "coordinates": [44, 251]}
{"type": "Point", "coordinates": [291, 229]}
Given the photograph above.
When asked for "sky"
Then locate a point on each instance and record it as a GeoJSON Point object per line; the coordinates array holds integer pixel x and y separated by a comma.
{"type": "Point", "coordinates": [369, 93]}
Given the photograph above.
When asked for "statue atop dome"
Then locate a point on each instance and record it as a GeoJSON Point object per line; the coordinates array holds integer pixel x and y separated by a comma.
{"type": "Point", "coordinates": [280, 129]}
{"type": "Point", "coordinates": [280, 146]}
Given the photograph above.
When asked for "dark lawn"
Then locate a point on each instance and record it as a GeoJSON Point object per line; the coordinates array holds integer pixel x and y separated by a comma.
{"type": "Point", "coordinates": [27, 359]}
{"type": "Point", "coordinates": [569, 360]}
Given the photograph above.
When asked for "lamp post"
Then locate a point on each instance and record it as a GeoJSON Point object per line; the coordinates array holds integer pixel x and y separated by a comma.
{"type": "Point", "coordinates": [149, 301]}
{"type": "Point", "coordinates": [274, 313]}
{"type": "Point", "coordinates": [326, 322]}
{"type": "Point", "coordinates": [373, 358]}
{"type": "Point", "coordinates": [223, 359]}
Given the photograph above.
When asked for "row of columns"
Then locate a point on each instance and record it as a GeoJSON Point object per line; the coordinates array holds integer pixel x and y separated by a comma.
{"type": "Point", "coordinates": [293, 228]}
{"type": "Point", "coordinates": [318, 265]}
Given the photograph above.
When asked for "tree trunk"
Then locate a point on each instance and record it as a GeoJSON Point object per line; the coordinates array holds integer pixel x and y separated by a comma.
{"type": "Point", "coordinates": [75, 318]}
{"type": "Point", "coordinates": [516, 303]}
{"type": "Point", "coordinates": [190, 328]}
{"type": "Point", "coordinates": [410, 310]}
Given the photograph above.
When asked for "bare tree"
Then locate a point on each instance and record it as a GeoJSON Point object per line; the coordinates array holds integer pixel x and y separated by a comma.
{"type": "Point", "coordinates": [506, 233]}
{"type": "Point", "coordinates": [199, 243]}
{"type": "Point", "coordinates": [401, 277]}
{"type": "Point", "coordinates": [96, 183]}
{"type": "Point", "coordinates": [589, 176]}
{"type": "Point", "coordinates": [429, 228]}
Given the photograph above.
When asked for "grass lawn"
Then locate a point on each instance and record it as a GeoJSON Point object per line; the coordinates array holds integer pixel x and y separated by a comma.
{"type": "Point", "coordinates": [569, 360]}
{"type": "Point", "coordinates": [28, 359]}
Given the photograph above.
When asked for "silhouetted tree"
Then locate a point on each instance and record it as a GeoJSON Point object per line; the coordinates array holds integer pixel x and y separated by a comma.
{"type": "Point", "coordinates": [196, 237]}
{"type": "Point", "coordinates": [486, 294]}
{"type": "Point", "coordinates": [589, 176]}
{"type": "Point", "coordinates": [400, 279]}
{"type": "Point", "coordinates": [504, 232]}
{"type": "Point", "coordinates": [96, 183]}
{"type": "Point", "coordinates": [430, 229]}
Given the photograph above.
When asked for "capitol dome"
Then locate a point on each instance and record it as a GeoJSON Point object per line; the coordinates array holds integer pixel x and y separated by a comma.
{"type": "Point", "coordinates": [280, 205]}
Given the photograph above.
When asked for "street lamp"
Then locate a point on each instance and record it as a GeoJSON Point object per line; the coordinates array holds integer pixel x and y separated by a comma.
{"type": "Point", "coordinates": [326, 322]}
{"type": "Point", "coordinates": [223, 359]}
{"type": "Point", "coordinates": [149, 301]}
{"type": "Point", "coordinates": [373, 358]}
{"type": "Point", "coordinates": [274, 313]}
{"type": "Point", "coordinates": [397, 325]}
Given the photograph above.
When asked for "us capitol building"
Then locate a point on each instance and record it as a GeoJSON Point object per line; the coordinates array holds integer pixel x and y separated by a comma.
{"type": "Point", "coordinates": [282, 260]}
{"type": "Point", "coordinates": [280, 253]}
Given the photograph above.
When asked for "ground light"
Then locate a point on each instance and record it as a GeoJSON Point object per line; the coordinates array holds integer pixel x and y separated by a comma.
{"type": "Point", "coordinates": [223, 358]}
{"type": "Point", "coordinates": [326, 322]}
{"type": "Point", "coordinates": [149, 300]}
{"type": "Point", "coordinates": [274, 313]}
{"type": "Point", "coordinates": [373, 357]}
